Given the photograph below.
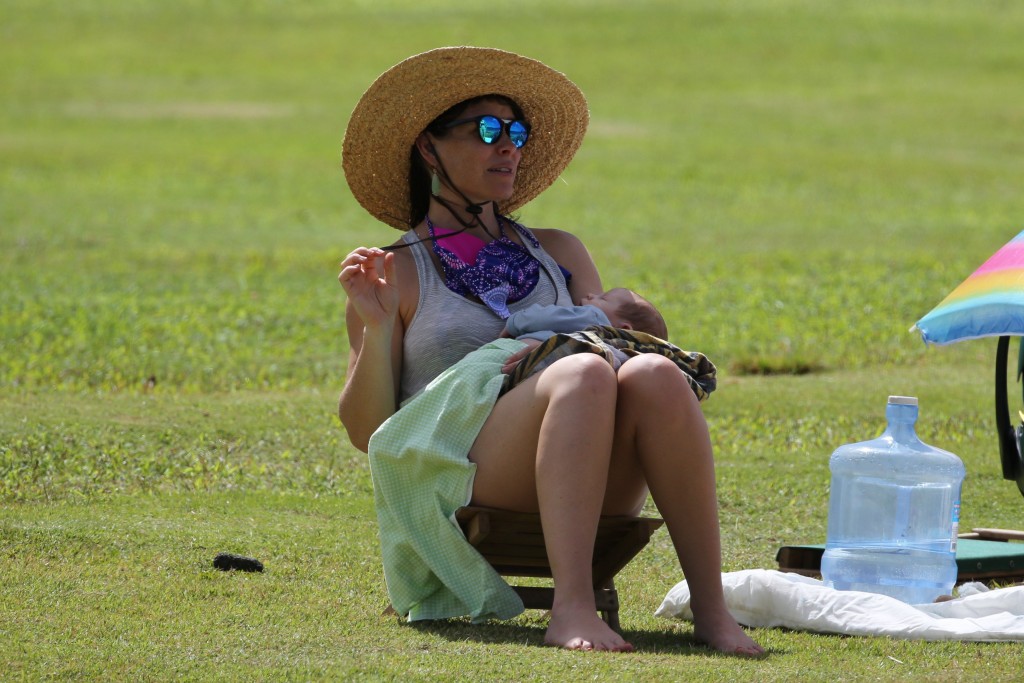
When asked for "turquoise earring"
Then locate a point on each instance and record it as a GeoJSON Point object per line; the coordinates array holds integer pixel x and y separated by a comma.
{"type": "Point", "coordinates": [435, 183]}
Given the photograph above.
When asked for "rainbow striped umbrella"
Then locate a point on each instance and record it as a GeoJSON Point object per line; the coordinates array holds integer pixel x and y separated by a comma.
{"type": "Point", "coordinates": [990, 303]}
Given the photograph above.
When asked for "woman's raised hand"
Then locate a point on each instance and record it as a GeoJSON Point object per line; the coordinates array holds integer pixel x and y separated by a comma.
{"type": "Point", "coordinates": [368, 276]}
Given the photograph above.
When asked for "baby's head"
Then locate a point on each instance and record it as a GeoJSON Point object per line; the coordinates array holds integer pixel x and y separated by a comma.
{"type": "Point", "coordinates": [629, 311]}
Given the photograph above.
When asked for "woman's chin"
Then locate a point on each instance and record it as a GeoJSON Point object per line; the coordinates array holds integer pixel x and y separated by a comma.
{"type": "Point", "coordinates": [504, 186]}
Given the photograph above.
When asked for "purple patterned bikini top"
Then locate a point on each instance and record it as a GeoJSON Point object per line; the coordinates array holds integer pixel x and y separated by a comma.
{"type": "Point", "coordinates": [498, 273]}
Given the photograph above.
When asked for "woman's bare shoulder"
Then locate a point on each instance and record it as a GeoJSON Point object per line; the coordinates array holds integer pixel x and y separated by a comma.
{"type": "Point", "coordinates": [408, 282]}
{"type": "Point", "coordinates": [553, 234]}
{"type": "Point", "coordinates": [558, 242]}
{"type": "Point", "coordinates": [569, 252]}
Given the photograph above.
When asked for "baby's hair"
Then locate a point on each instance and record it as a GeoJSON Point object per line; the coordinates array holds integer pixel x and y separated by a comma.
{"type": "Point", "coordinates": [644, 317]}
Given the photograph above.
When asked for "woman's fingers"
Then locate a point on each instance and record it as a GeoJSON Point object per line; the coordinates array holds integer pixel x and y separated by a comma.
{"type": "Point", "coordinates": [362, 255]}
{"type": "Point", "coordinates": [361, 262]}
{"type": "Point", "coordinates": [390, 273]}
{"type": "Point", "coordinates": [512, 361]}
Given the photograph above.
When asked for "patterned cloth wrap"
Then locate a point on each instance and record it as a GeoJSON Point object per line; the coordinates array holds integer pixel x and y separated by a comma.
{"type": "Point", "coordinates": [604, 341]}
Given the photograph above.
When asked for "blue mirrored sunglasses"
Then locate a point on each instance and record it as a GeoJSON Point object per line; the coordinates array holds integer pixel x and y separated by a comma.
{"type": "Point", "coordinates": [491, 128]}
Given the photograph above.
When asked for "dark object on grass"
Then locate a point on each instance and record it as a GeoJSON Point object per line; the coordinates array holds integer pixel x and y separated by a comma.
{"type": "Point", "coordinates": [227, 561]}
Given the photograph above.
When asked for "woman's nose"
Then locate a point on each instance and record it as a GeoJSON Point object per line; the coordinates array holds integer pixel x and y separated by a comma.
{"type": "Point", "coordinates": [505, 145]}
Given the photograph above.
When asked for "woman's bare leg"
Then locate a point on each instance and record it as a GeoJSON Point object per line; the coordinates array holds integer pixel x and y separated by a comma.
{"type": "Point", "coordinates": [659, 418]}
{"type": "Point", "coordinates": [547, 446]}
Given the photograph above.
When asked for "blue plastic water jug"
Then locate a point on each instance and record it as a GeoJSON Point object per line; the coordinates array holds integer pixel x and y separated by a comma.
{"type": "Point", "coordinates": [894, 513]}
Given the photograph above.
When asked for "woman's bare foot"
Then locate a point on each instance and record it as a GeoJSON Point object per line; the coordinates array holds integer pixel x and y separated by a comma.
{"type": "Point", "coordinates": [723, 634]}
{"type": "Point", "coordinates": [582, 629]}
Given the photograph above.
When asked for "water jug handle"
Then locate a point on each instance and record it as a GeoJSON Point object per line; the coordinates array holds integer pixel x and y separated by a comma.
{"type": "Point", "coordinates": [1009, 439]}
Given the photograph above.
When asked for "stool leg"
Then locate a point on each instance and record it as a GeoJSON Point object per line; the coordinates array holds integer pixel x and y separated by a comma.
{"type": "Point", "coordinates": [607, 599]}
{"type": "Point", "coordinates": [611, 617]}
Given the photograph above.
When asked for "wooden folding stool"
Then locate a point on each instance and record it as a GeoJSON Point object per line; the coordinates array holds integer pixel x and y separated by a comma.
{"type": "Point", "coordinates": [513, 543]}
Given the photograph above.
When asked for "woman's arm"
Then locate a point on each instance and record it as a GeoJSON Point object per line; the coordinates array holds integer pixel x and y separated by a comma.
{"type": "Point", "coordinates": [570, 253]}
{"type": "Point", "coordinates": [375, 332]}
{"type": "Point", "coordinates": [369, 396]}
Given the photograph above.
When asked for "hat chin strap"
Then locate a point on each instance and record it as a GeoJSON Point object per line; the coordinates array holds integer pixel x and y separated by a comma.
{"type": "Point", "coordinates": [473, 209]}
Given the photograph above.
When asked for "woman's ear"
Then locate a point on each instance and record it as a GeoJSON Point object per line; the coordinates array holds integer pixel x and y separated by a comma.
{"type": "Point", "coordinates": [426, 149]}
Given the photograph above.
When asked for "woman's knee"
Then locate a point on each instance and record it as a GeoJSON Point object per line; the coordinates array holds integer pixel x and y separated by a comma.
{"type": "Point", "coordinates": [653, 388]}
{"type": "Point", "coordinates": [582, 376]}
{"type": "Point", "coordinates": [651, 372]}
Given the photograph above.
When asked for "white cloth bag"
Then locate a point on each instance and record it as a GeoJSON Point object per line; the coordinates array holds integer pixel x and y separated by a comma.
{"type": "Point", "coordinates": [764, 598]}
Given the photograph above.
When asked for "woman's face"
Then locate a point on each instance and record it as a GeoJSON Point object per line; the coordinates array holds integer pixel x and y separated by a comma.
{"type": "Point", "coordinates": [482, 172]}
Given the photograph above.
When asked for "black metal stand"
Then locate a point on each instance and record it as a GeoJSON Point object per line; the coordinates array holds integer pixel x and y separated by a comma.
{"type": "Point", "coordinates": [1010, 439]}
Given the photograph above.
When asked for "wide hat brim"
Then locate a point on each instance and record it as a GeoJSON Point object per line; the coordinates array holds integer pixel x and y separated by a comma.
{"type": "Point", "coordinates": [400, 104]}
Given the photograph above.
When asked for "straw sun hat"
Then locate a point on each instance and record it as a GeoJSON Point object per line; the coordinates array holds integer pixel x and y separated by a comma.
{"type": "Point", "coordinates": [400, 104]}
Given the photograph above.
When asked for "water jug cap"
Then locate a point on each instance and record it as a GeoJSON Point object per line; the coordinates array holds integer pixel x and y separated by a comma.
{"type": "Point", "coordinates": [903, 400]}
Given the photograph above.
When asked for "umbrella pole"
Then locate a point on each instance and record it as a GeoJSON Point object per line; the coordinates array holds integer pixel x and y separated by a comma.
{"type": "Point", "coordinates": [1009, 449]}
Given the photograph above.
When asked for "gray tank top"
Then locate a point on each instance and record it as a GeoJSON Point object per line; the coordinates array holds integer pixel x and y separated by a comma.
{"type": "Point", "coordinates": [447, 326]}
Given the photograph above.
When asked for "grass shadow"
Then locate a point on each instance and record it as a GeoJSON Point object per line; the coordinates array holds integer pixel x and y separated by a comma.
{"type": "Point", "coordinates": [493, 632]}
{"type": "Point", "coordinates": [531, 633]}
{"type": "Point", "coordinates": [679, 643]}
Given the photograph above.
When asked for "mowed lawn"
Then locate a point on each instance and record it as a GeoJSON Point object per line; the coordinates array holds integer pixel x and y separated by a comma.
{"type": "Point", "coordinates": [792, 183]}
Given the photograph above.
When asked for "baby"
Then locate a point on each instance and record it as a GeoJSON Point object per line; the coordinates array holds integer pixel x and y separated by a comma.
{"type": "Point", "coordinates": [619, 307]}
{"type": "Point", "coordinates": [553, 332]}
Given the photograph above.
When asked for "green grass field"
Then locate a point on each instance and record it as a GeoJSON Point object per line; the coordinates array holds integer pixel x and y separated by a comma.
{"type": "Point", "coordinates": [793, 183]}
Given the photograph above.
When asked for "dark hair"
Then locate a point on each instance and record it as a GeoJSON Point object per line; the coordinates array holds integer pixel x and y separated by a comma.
{"type": "Point", "coordinates": [419, 174]}
{"type": "Point", "coordinates": [644, 317]}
